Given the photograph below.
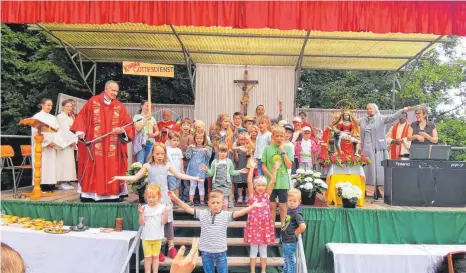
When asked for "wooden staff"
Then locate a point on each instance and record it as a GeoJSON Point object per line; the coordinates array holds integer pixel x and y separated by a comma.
{"type": "Point", "coordinates": [149, 96]}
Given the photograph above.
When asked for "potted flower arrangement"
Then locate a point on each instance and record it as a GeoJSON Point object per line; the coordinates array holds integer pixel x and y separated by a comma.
{"type": "Point", "coordinates": [344, 160]}
{"type": "Point", "coordinates": [349, 193]}
{"type": "Point", "coordinates": [138, 186]}
{"type": "Point", "coordinates": [309, 183]}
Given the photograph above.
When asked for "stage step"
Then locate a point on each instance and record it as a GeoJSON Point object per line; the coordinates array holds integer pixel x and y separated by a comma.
{"type": "Point", "coordinates": [235, 262]}
{"type": "Point", "coordinates": [234, 224]}
{"type": "Point", "coordinates": [186, 241]}
{"type": "Point", "coordinates": [180, 210]}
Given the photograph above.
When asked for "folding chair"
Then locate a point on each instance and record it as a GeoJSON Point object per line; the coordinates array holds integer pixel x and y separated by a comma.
{"type": "Point", "coordinates": [7, 154]}
{"type": "Point", "coordinates": [26, 152]}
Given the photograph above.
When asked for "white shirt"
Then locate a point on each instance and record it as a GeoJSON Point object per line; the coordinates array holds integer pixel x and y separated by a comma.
{"type": "Point", "coordinates": [174, 155]}
{"type": "Point", "coordinates": [306, 149]}
{"type": "Point", "coordinates": [153, 227]}
{"type": "Point", "coordinates": [262, 141]}
{"type": "Point", "coordinates": [107, 101]}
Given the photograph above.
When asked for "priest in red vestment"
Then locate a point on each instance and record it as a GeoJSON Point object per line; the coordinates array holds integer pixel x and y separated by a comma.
{"type": "Point", "coordinates": [164, 126]}
{"type": "Point", "coordinates": [397, 138]}
{"type": "Point", "coordinates": [100, 115]}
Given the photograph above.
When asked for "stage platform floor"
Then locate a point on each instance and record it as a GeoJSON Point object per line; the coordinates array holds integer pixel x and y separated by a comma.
{"type": "Point", "coordinates": [73, 196]}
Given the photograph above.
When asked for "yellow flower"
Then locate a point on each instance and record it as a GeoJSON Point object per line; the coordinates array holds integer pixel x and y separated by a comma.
{"type": "Point", "coordinates": [136, 165]}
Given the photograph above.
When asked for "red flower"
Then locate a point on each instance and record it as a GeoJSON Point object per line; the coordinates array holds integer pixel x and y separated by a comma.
{"type": "Point", "coordinates": [323, 157]}
{"type": "Point", "coordinates": [325, 165]}
{"type": "Point", "coordinates": [352, 158]}
{"type": "Point", "coordinates": [333, 159]}
{"type": "Point", "coordinates": [343, 159]}
{"type": "Point", "coordinates": [363, 159]}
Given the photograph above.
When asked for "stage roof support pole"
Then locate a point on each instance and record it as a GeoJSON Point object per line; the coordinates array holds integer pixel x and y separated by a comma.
{"type": "Point", "coordinates": [419, 54]}
{"type": "Point", "coordinates": [78, 53]}
{"type": "Point", "coordinates": [417, 59]}
{"type": "Point", "coordinates": [95, 78]}
{"type": "Point", "coordinates": [393, 92]}
{"type": "Point", "coordinates": [297, 70]}
{"type": "Point", "coordinates": [190, 64]}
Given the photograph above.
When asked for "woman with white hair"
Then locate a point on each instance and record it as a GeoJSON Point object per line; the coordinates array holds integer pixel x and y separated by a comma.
{"type": "Point", "coordinates": [374, 145]}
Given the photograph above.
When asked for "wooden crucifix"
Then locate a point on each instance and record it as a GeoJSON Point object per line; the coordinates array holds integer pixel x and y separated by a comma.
{"type": "Point", "coordinates": [245, 85]}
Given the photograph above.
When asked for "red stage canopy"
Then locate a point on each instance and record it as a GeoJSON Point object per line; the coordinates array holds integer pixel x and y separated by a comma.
{"type": "Point", "coordinates": [428, 17]}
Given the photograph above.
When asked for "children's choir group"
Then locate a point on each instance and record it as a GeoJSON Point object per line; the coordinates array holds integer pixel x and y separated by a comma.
{"type": "Point", "coordinates": [249, 156]}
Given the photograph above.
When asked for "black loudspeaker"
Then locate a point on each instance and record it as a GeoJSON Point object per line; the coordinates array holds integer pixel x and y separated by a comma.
{"type": "Point", "coordinates": [425, 183]}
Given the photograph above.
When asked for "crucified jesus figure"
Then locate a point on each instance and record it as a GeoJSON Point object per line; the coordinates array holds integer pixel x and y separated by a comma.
{"type": "Point", "coordinates": [246, 86]}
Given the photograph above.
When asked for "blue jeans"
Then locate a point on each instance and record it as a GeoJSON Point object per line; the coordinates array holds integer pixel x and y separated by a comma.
{"type": "Point", "coordinates": [144, 154]}
{"type": "Point", "coordinates": [212, 260]}
{"type": "Point", "coordinates": [259, 167]}
{"type": "Point", "coordinates": [185, 190]}
{"type": "Point", "coordinates": [173, 182]}
{"type": "Point", "coordinates": [289, 255]}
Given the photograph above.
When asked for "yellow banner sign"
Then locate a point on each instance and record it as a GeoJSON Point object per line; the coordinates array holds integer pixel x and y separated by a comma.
{"type": "Point", "coordinates": [156, 70]}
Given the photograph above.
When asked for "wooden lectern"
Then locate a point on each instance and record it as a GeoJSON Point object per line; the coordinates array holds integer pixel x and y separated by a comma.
{"type": "Point", "coordinates": [37, 193]}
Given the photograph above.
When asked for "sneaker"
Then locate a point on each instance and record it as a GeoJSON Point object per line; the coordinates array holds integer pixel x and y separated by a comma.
{"type": "Point", "coordinates": [172, 252]}
{"type": "Point", "coordinates": [246, 199]}
{"type": "Point", "coordinates": [161, 257]}
{"type": "Point", "coordinates": [191, 203]}
{"type": "Point", "coordinates": [239, 200]}
{"type": "Point", "coordinates": [202, 204]}
{"type": "Point", "coordinates": [63, 187]}
{"type": "Point", "coordinates": [231, 204]}
{"type": "Point", "coordinates": [67, 186]}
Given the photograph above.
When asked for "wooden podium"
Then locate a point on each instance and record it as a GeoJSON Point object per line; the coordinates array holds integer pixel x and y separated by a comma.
{"type": "Point", "coordinates": [37, 193]}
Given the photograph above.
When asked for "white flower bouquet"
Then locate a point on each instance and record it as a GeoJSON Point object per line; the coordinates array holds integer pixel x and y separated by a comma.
{"type": "Point", "coordinates": [308, 181]}
{"type": "Point", "coordinates": [346, 190]}
{"type": "Point", "coordinates": [139, 184]}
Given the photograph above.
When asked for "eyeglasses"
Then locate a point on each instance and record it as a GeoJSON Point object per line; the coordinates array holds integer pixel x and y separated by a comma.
{"type": "Point", "coordinates": [450, 257]}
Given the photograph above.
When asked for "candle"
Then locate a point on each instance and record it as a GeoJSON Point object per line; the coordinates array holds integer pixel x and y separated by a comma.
{"type": "Point", "coordinates": [119, 224]}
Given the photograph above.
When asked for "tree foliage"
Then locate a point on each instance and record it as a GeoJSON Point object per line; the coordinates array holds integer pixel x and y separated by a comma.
{"type": "Point", "coordinates": [452, 131]}
{"type": "Point", "coordinates": [431, 81]}
{"type": "Point", "coordinates": [134, 88]}
{"type": "Point", "coordinates": [31, 70]}
{"type": "Point", "coordinates": [428, 81]}
{"type": "Point", "coordinates": [336, 89]}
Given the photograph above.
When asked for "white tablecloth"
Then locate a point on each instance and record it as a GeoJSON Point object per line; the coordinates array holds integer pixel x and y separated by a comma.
{"type": "Point", "coordinates": [334, 169]}
{"type": "Point", "coordinates": [381, 258]}
{"type": "Point", "coordinates": [74, 252]}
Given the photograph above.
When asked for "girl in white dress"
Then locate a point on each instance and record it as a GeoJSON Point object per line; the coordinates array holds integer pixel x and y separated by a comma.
{"type": "Point", "coordinates": [49, 153]}
{"type": "Point", "coordinates": [157, 169]}
{"type": "Point", "coordinates": [67, 170]}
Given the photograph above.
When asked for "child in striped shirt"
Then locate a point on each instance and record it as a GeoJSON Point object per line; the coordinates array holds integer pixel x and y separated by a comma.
{"type": "Point", "coordinates": [214, 224]}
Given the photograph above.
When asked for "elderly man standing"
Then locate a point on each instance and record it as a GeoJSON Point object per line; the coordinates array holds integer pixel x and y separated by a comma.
{"type": "Point", "coordinates": [397, 138]}
{"type": "Point", "coordinates": [103, 114]}
{"type": "Point", "coordinates": [164, 126]}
